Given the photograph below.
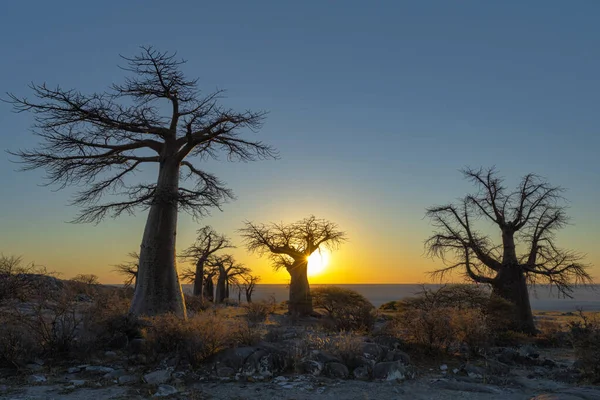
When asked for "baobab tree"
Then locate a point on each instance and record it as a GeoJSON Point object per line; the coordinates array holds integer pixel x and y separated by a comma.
{"type": "Point", "coordinates": [129, 270]}
{"type": "Point", "coordinates": [527, 220]}
{"type": "Point", "coordinates": [289, 246]}
{"type": "Point", "coordinates": [248, 284]}
{"type": "Point", "coordinates": [228, 271]}
{"type": "Point", "coordinates": [156, 117]}
{"type": "Point", "coordinates": [207, 243]}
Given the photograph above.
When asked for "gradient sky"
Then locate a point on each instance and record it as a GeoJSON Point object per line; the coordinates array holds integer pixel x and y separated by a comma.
{"type": "Point", "coordinates": [374, 107]}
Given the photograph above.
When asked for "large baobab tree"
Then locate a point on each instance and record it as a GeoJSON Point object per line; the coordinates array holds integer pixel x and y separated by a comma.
{"type": "Point", "coordinates": [208, 242]}
{"type": "Point", "coordinates": [289, 246]}
{"type": "Point", "coordinates": [527, 220]}
{"type": "Point", "coordinates": [156, 117]}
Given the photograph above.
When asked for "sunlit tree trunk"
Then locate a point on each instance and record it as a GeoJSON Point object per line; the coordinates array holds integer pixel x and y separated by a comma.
{"type": "Point", "coordinates": [300, 301]}
{"type": "Point", "coordinates": [157, 288]}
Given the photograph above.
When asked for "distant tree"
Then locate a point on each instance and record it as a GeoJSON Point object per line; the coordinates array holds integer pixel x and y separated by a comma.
{"type": "Point", "coordinates": [289, 246]}
{"type": "Point", "coordinates": [99, 141]}
{"type": "Point", "coordinates": [86, 279]}
{"type": "Point", "coordinates": [228, 271]}
{"type": "Point", "coordinates": [129, 270]}
{"type": "Point", "coordinates": [527, 219]}
{"type": "Point", "coordinates": [248, 284]}
{"type": "Point", "coordinates": [208, 242]}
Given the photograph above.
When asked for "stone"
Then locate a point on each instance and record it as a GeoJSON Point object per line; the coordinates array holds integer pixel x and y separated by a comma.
{"type": "Point", "coordinates": [77, 382]}
{"type": "Point", "coordinates": [73, 370]}
{"type": "Point", "coordinates": [323, 357]}
{"type": "Point", "coordinates": [337, 370]}
{"type": "Point", "coordinates": [235, 357]}
{"type": "Point", "coordinates": [310, 367]}
{"type": "Point", "coordinates": [361, 373]}
{"type": "Point", "coordinates": [372, 351]}
{"type": "Point", "coordinates": [508, 356]}
{"type": "Point", "coordinates": [528, 351]}
{"type": "Point", "coordinates": [158, 377]}
{"type": "Point", "coordinates": [398, 355]}
{"type": "Point", "coordinates": [165, 390]}
{"type": "Point", "coordinates": [473, 371]}
{"type": "Point", "coordinates": [497, 368]}
{"type": "Point", "coordinates": [34, 367]}
{"type": "Point", "coordinates": [98, 369]}
{"type": "Point", "coordinates": [128, 379]}
{"type": "Point", "coordinates": [36, 379]}
{"type": "Point", "coordinates": [390, 370]}
{"type": "Point", "coordinates": [115, 374]}
{"type": "Point", "coordinates": [110, 354]}
{"type": "Point", "coordinates": [443, 367]}
{"type": "Point", "coordinates": [136, 345]}
{"type": "Point", "coordinates": [225, 372]}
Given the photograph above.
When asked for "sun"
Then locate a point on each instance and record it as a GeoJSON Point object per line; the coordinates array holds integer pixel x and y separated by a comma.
{"type": "Point", "coordinates": [317, 262]}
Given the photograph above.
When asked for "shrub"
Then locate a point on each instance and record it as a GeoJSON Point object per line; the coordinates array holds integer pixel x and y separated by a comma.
{"type": "Point", "coordinates": [197, 338]}
{"type": "Point", "coordinates": [196, 304]}
{"type": "Point", "coordinates": [585, 335]}
{"type": "Point", "coordinates": [23, 282]}
{"type": "Point", "coordinates": [346, 309]}
{"type": "Point", "coordinates": [450, 317]}
{"type": "Point", "coordinates": [258, 311]}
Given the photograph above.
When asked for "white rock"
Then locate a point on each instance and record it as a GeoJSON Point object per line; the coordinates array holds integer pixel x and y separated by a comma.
{"type": "Point", "coordinates": [443, 367]}
{"type": "Point", "coordinates": [158, 377]}
{"type": "Point", "coordinates": [165, 390]}
{"type": "Point", "coordinates": [36, 379]}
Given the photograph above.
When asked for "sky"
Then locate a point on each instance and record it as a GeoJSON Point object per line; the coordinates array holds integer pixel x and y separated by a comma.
{"type": "Point", "coordinates": [373, 106]}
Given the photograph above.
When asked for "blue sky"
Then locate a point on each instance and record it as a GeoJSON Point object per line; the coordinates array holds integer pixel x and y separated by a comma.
{"type": "Point", "coordinates": [374, 106]}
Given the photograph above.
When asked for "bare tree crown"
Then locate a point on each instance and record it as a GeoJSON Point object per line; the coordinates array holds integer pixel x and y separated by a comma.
{"type": "Point", "coordinates": [100, 139]}
{"type": "Point", "coordinates": [528, 218]}
{"type": "Point", "coordinates": [286, 243]}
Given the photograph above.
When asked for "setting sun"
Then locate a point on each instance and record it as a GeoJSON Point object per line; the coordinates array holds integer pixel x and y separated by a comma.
{"type": "Point", "coordinates": [317, 262]}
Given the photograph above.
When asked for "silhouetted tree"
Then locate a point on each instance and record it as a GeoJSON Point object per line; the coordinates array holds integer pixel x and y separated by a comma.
{"type": "Point", "coordinates": [289, 246]}
{"type": "Point", "coordinates": [99, 140]}
{"type": "Point", "coordinates": [228, 271]}
{"type": "Point", "coordinates": [248, 285]}
{"type": "Point", "coordinates": [207, 243]}
{"type": "Point", "coordinates": [129, 270]}
{"type": "Point", "coordinates": [527, 219]}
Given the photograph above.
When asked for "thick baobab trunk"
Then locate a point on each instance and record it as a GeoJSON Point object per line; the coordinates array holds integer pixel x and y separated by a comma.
{"type": "Point", "coordinates": [511, 285]}
{"type": "Point", "coordinates": [220, 294]}
{"type": "Point", "coordinates": [248, 296]}
{"type": "Point", "coordinates": [300, 302]}
{"type": "Point", "coordinates": [209, 289]}
{"type": "Point", "coordinates": [198, 284]}
{"type": "Point", "coordinates": [157, 288]}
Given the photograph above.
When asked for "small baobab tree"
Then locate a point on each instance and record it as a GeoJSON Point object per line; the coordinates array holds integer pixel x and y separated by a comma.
{"type": "Point", "coordinates": [156, 117]}
{"type": "Point", "coordinates": [228, 271]}
{"type": "Point", "coordinates": [129, 270]}
{"type": "Point", "coordinates": [527, 220]}
{"type": "Point", "coordinates": [248, 284]}
{"type": "Point", "coordinates": [207, 243]}
{"type": "Point", "coordinates": [289, 246]}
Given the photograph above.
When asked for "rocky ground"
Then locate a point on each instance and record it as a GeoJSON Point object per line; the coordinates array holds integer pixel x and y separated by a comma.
{"type": "Point", "coordinates": [256, 373]}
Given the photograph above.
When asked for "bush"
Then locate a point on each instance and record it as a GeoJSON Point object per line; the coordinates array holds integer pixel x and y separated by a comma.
{"type": "Point", "coordinates": [258, 311]}
{"type": "Point", "coordinates": [196, 339]}
{"type": "Point", "coordinates": [346, 309]}
{"type": "Point", "coordinates": [585, 335]}
{"type": "Point", "coordinates": [196, 304]}
{"type": "Point", "coordinates": [451, 317]}
{"type": "Point", "coordinates": [23, 282]}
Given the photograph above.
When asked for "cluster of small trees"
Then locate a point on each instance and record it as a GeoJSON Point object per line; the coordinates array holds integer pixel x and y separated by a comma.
{"type": "Point", "coordinates": [100, 140]}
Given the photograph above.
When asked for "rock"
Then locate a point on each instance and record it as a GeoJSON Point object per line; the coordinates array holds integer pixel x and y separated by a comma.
{"type": "Point", "coordinates": [323, 357]}
{"type": "Point", "coordinates": [110, 354]}
{"type": "Point", "coordinates": [234, 357]}
{"type": "Point", "coordinates": [390, 370]}
{"type": "Point", "coordinates": [136, 345]}
{"type": "Point", "coordinates": [473, 371]}
{"type": "Point", "coordinates": [443, 367]}
{"type": "Point", "coordinates": [528, 351]}
{"type": "Point", "coordinates": [225, 372]}
{"type": "Point", "coordinates": [34, 367]}
{"type": "Point", "coordinates": [280, 379]}
{"type": "Point", "coordinates": [165, 390]}
{"type": "Point", "coordinates": [77, 382]}
{"type": "Point", "coordinates": [265, 362]}
{"type": "Point", "coordinates": [372, 351]}
{"type": "Point", "coordinates": [359, 361]}
{"type": "Point", "coordinates": [97, 369]}
{"type": "Point", "coordinates": [494, 367]}
{"type": "Point", "coordinates": [337, 370]}
{"type": "Point", "coordinates": [157, 377]}
{"type": "Point", "coordinates": [361, 373]}
{"type": "Point", "coordinates": [38, 361]}
{"type": "Point", "coordinates": [36, 379]}
{"type": "Point", "coordinates": [398, 355]}
{"type": "Point", "coordinates": [73, 370]}
{"type": "Point", "coordinates": [548, 363]}
{"type": "Point", "coordinates": [508, 356]}
{"type": "Point", "coordinates": [465, 386]}
{"type": "Point", "coordinates": [115, 374]}
{"type": "Point", "coordinates": [128, 379]}
{"type": "Point", "coordinates": [310, 367]}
